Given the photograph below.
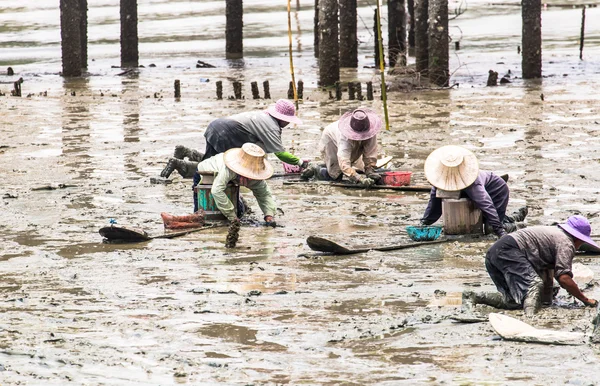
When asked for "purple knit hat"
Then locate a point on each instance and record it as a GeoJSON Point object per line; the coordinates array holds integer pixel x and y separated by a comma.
{"type": "Point", "coordinates": [579, 227]}
{"type": "Point", "coordinates": [360, 124]}
{"type": "Point", "coordinates": [284, 110]}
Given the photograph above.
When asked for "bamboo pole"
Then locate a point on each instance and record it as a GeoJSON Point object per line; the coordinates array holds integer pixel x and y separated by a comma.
{"type": "Point", "coordinates": [289, 12]}
{"type": "Point", "coordinates": [382, 69]}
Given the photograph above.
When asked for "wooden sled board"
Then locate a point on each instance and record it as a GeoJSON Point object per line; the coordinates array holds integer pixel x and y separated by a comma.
{"type": "Point", "coordinates": [514, 329]}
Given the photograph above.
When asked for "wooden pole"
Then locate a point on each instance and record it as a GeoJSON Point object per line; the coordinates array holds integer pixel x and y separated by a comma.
{"type": "Point", "coordinates": [396, 32]}
{"type": "Point", "coordinates": [348, 38]}
{"type": "Point", "coordinates": [329, 45]}
{"type": "Point", "coordinates": [582, 33]}
{"type": "Point", "coordinates": [289, 14]}
{"type": "Point", "coordinates": [531, 63]}
{"type": "Point", "coordinates": [83, 39]}
{"type": "Point", "coordinates": [234, 29]}
{"type": "Point", "coordinates": [129, 34]}
{"type": "Point", "coordinates": [382, 70]}
{"type": "Point", "coordinates": [421, 36]}
{"type": "Point", "coordinates": [439, 53]}
{"type": "Point", "coordinates": [177, 85]}
{"type": "Point", "coordinates": [70, 35]}
{"type": "Point", "coordinates": [410, 4]}
{"type": "Point", "coordinates": [316, 29]}
{"type": "Point", "coordinates": [378, 42]}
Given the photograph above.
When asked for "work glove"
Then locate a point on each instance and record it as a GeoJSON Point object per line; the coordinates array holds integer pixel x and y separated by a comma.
{"type": "Point", "coordinates": [591, 303]}
{"type": "Point", "coordinates": [366, 182]}
{"type": "Point", "coordinates": [374, 176]}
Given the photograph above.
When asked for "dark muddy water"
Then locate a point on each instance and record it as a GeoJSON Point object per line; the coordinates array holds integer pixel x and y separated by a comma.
{"type": "Point", "coordinates": [189, 311]}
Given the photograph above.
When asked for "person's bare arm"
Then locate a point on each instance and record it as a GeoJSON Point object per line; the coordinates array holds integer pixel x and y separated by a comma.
{"type": "Point", "coordinates": [567, 283]}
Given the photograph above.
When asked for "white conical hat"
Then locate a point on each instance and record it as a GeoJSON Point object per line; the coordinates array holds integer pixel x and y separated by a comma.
{"type": "Point", "coordinates": [451, 168]}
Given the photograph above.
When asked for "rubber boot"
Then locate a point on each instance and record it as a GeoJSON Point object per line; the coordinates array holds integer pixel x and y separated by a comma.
{"type": "Point", "coordinates": [518, 216]}
{"type": "Point", "coordinates": [195, 220]}
{"type": "Point", "coordinates": [494, 299]}
{"type": "Point", "coordinates": [186, 169]}
{"type": "Point", "coordinates": [181, 152]}
{"type": "Point", "coordinates": [533, 300]}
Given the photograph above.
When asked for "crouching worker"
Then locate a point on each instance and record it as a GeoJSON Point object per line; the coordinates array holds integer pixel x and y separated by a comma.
{"type": "Point", "coordinates": [518, 262]}
{"type": "Point", "coordinates": [245, 166]}
{"type": "Point", "coordinates": [454, 168]}
{"type": "Point", "coordinates": [263, 128]}
{"type": "Point", "coordinates": [347, 144]}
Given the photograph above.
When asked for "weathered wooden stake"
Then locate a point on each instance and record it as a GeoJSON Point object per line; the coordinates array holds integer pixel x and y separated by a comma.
{"type": "Point", "coordinates": [83, 7]}
{"type": "Point", "coordinates": [255, 93]}
{"type": "Point", "coordinates": [300, 89]}
{"type": "Point", "coordinates": [396, 32]}
{"type": "Point", "coordinates": [329, 45]}
{"type": "Point", "coordinates": [582, 33]}
{"type": "Point", "coordinates": [410, 5]}
{"type": "Point", "coordinates": [316, 29]}
{"type": "Point", "coordinates": [234, 29]}
{"type": "Point", "coordinates": [421, 36]}
{"type": "Point", "coordinates": [129, 34]}
{"type": "Point", "coordinates": [369, 91]}
{"type": "Point", "coordinates": [439, 55]}
{"type": "Point", "coordinates": [492, 78]}
{"type": "Point", "coordinates": [358, 89]}
{"type": "Point", "coordinates": [237, 90]}
{"type": "Point", "coordinates": [70, 37]}
{"type": "Point", "coordinates": [290, 93]}
{"type": "Point", "coordinates": [348, 39]}
{"type": "Point", "coordinates": [457, 45]}
{"type": "Point", "coordinates": [17, 88]}
{"type": "Point", "coordinates": [219, 89]}
{"type": "Point", "coordinates": [338, 91]}
{"type": "Point", "coordinates": [266, 89]}
{"type": "Point", "coordinates": [177, 88]}
{"type": "Point", "coordinates": [531, 39]}
{"type": "Point", "coordinates": [351, 91]}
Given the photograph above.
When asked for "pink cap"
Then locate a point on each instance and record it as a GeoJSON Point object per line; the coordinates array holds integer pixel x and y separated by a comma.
{"type": "Point", "coordinates": [284, 110]}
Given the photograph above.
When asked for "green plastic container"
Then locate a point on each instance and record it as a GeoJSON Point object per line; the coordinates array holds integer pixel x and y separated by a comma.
{"type": "Point", "coordinates": [207, 202]}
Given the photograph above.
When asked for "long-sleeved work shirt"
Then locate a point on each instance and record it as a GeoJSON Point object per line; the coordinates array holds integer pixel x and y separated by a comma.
{"type": "Point", "coordinates": [223, 175]}
{"type": "Point", "coordinates": [547, 247]}
{"type": "Point", "coordinates": [340, 154]}
{"type": "Point", "coordinates": [256, 127]}
{"type": "Point", "coordinates": [489, 193]}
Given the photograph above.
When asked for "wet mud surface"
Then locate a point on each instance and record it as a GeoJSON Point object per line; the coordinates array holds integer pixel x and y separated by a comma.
{"type": "Point", "coordinates": [191, 311]}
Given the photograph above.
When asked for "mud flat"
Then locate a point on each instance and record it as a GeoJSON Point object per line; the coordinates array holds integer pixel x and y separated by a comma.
{"type": "Point", "coordinates": [190, 311]}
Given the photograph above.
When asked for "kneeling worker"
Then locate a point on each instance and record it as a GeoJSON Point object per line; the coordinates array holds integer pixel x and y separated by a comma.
{"type": "Point", "coordinates": [454, 168]}
{"type": "Point", "coordinates": [247, 167]}
{"type": "Point", "coordinates": [350, 141]}
{"type": "Point", "coordinates": [517, 262]}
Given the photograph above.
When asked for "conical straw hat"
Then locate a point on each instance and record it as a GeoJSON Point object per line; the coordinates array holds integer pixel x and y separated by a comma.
{"type": "Point", "coordinates": [248, 161]}
{"type": "Point", "coordinates": [451, 168]}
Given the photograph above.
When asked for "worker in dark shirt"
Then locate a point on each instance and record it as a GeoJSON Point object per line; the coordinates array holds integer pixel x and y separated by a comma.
{"type": "Point", "coordinates": [263, 128]}
{"type": "Point", "coordinates": [518, 265]}
{"type": "Point", "coordinates": [454, 168]}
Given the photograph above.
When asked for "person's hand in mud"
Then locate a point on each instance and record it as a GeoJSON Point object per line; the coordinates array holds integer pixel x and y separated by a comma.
{"type": "Point", "coordinates": [304, 164]}
{"type": "Point", "coordinates": [366, 181]}
{"type": "Point", "coordinates": [375, 177]}
{"type": "Point", "coordinates": [591, 302]}
{"type": "Point", "coordinates": [270, 221]}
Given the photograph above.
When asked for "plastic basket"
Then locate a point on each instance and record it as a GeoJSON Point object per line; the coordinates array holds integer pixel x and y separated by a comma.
{"type": "Point", "coordinates": [396, 178]}
{"type": "Point", "coordinates": [424, 233]}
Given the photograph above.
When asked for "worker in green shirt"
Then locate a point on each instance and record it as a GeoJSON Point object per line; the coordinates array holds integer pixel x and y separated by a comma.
{"type": "Point", "coordinates": [262, 128]}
